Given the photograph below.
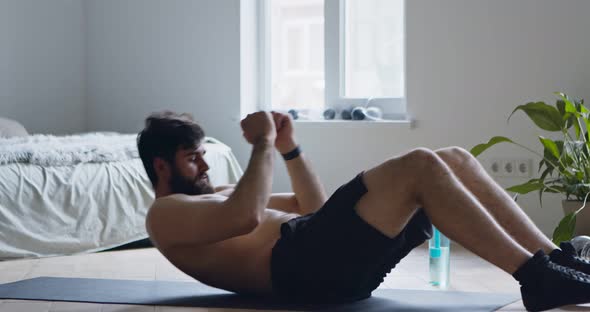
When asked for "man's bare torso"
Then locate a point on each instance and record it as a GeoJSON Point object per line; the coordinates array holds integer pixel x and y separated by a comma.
{"type": "Point", "coordinates": [240, 264]}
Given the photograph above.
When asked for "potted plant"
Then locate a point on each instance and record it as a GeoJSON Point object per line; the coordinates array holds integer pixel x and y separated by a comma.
{"type": "Point", "coordinates": [565, 163]}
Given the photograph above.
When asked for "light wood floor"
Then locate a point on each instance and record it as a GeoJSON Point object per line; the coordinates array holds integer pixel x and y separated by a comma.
{"type": "Point", "coordinates": [468, 273]}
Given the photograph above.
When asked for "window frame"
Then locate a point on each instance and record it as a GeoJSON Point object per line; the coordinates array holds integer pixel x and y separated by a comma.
{"type": "Point", "coordinates": [334, 63]}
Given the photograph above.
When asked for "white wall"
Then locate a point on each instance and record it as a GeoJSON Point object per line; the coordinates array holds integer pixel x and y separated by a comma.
{"type": "Point", "coordinates": [469, 63]}
{"type": "Point", "coordinates": [42, 72]}
{"type": "Point", "coordinates": [146, 56]}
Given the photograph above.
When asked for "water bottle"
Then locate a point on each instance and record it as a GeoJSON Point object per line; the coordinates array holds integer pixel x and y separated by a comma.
{"type": "Point", "coordinates": [582, 246]}
{"type": "Point", "coordinates": [439, 251]}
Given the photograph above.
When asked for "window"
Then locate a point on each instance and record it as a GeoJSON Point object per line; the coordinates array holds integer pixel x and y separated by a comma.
{"type": "Point", "coordinates": [318, 54]}
{"type": "Point", "coordinates": [373, 51]}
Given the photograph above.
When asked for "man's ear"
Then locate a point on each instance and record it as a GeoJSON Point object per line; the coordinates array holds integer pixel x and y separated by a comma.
{"type": "Point", "coordinates": [161, 167]}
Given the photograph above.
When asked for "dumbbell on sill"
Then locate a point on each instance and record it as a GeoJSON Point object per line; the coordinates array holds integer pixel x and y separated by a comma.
{"type": "Point", "coordinates": [371, 113]}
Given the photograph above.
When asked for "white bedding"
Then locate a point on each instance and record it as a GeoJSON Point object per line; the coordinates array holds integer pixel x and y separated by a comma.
{"type": "Point", "coordinates": [57, 210]}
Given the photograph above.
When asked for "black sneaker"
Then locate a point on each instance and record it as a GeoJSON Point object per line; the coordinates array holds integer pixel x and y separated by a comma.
{"type": "Point", "coordinates": [547, 285]}
{"type": "Point", "coordinates": [568, 257]}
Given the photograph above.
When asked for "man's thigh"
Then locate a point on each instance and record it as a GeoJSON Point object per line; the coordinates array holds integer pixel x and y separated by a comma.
{"type": "Point", "coordinates": [391, 198]}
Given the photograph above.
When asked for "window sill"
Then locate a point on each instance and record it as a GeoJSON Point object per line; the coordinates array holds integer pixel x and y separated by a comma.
{"type": "Point", "coordinates": [362, 123]}
{"type": "Point", "coordinates": [405, 123]}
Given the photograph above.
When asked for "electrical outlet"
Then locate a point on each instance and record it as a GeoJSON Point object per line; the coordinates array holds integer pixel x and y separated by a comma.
{"type": "Point", "coordinates": [496, 167]}
{"type": "Point", "coordinates": [510, 167]}
{"type": "Point", "coordinates": [523, 167]}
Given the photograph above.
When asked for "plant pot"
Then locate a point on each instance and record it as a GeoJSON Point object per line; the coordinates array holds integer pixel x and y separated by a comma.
{"type": "Point", "coordinates": [583, 217]}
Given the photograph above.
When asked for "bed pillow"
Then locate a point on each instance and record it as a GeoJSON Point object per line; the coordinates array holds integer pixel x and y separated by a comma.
{"type": "Point", "coordinates": [11, 128]}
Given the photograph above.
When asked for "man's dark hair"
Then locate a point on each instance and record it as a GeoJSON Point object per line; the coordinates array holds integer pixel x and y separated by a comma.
{"type": "Point", "coordinates": [165, 133]}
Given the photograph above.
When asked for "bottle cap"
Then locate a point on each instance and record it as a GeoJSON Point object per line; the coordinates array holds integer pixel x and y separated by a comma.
{"type": "Point", "coordinates": [435, 252]}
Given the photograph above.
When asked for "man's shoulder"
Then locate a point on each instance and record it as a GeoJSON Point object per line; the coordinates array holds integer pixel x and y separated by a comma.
{"type": "Point", "coordinates": [223, 187]}
{"type": "Point", "coordinates": [184, 198]}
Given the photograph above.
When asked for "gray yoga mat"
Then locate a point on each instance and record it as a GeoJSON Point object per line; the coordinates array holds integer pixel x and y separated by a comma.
{"type": "Point", "coordinates": [194, 294]}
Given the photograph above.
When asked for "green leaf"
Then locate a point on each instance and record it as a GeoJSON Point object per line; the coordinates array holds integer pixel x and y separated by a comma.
{"type": "Point", "coordinates": [560, 104]}
{"type": "Point", "coordinates": [550, 145]}
{"type": "Point", "coordinates": [541, 165]}
{"type": "Point", "coordinates": [569, 120]}
{"type": "Point", "coordinates": [560, 145]}
{"type": "Point", "coordinates": [550, 159]}
{"type": "Point", "coordinates": [580, 106]}
{"type": "Point", "coordinates": [479, 148]}
{"type": "Point", "coordinates": [541, 196]}
{"type": "Point", "coordinates": [569, 106]}
{"type": "Point", "coordinates": [531, 185]}
{"type": "Point", "coordinates": [565, 230]}
{"type": "Point", "coordinates": [567, 160]}
{"type": "Point", "coordinates": [547, 171]}
{"type": "Point", "coordinates": [544, 116]}
{"type": "Point", "coordinates": [555, 189]}
{"type": "Point", "coordinates": [577, 127]}
{"type": "Point", "coordinates": [577, 189]}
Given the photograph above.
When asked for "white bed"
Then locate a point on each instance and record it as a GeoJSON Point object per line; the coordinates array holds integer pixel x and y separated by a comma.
{"type": "Point", "coordinates": [76, 194]}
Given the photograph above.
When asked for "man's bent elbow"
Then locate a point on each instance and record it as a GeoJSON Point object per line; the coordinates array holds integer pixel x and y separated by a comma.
{"type": "Point", "coordinates": [246, 219]}
{"type": "Point", "coordinates": [243, 220]}
{"type": "Point", "coordinates": [250, 224]}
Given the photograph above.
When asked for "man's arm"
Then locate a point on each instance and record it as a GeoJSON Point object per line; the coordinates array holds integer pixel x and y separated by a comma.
{"type": "Point", "coordinates": [221, 188]}
{"type": "Point", "coordinates": [254, 188]}
{"type": "Point", "coordinates": [286, 202]}
{"type": "Point", "coordinates": [179, 219]}
{"type": "Point", "coordinates": [308, 189]}
{"type": "Point", "coordinates": [182, 220]}
{"type": "Point", "coordinates": [309, 192]}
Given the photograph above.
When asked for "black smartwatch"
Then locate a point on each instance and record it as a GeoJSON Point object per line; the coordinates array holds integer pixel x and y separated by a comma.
{"type": "Point", "coordinates": [292, 154]}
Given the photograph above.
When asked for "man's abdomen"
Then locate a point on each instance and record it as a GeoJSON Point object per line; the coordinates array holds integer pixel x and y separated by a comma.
{"type": "Point", "coordinates": [240, 264]}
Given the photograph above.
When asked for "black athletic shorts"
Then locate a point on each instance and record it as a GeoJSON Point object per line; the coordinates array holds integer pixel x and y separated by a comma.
{"type": "Point", "coordinates": [333, 255]}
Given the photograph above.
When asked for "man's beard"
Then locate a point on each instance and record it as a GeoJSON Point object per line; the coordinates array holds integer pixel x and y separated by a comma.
{"type": "Point", "coordinates": [198, 186]}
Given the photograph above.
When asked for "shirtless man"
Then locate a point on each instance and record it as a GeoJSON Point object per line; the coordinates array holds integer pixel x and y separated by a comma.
{"type": "Point", "coordinates": [302, 246]}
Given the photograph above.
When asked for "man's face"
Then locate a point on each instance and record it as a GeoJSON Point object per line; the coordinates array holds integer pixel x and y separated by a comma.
{"type": "Point", "coordinates": [189, 173]}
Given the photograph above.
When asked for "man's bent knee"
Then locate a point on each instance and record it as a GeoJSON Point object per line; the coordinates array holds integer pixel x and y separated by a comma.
{"type": "Point", "coordinates": [410, 168]}
{"type": "Point", "coordinates": [409, 163]}
{"type": "Point", "coordinates": [423, 158]}
{"type": "Point", "coordinates": [455, 156]}
{"type": "Point", "coordinates": [457, 151]}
